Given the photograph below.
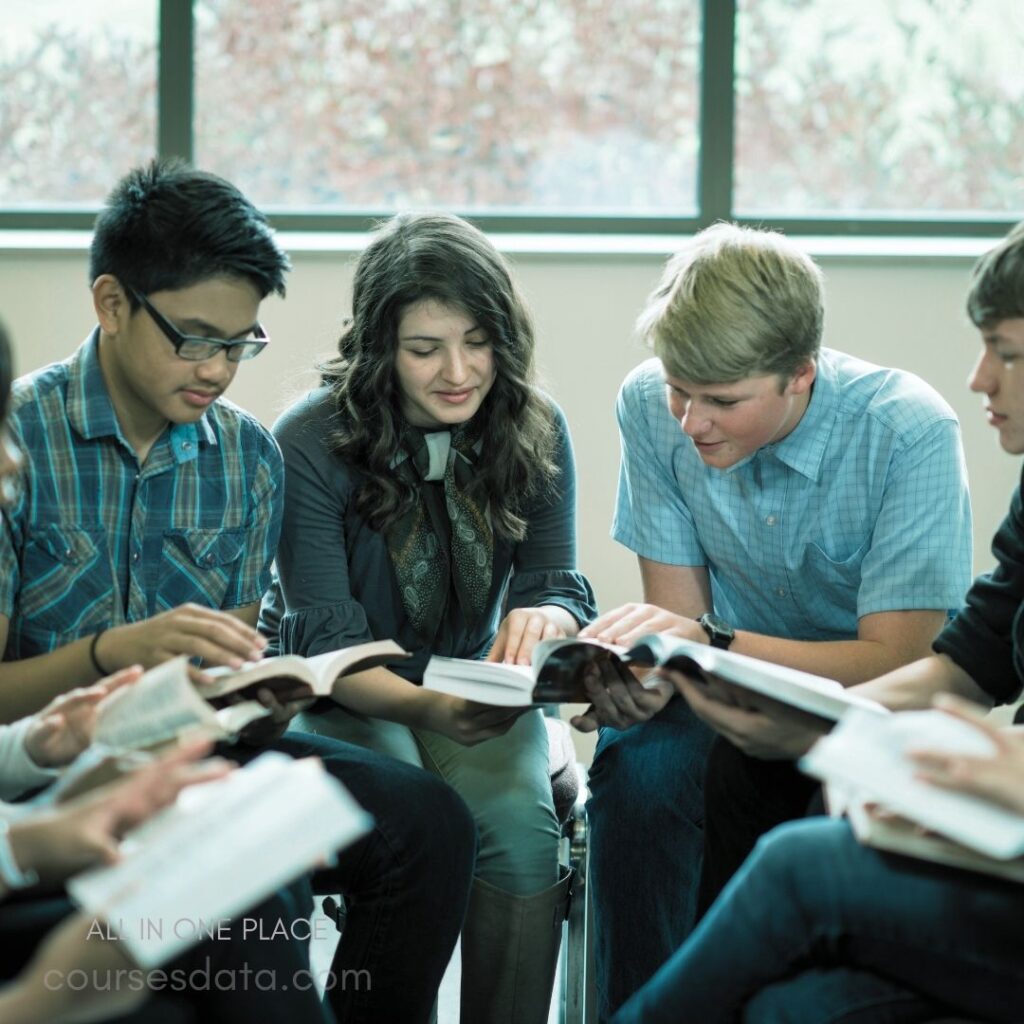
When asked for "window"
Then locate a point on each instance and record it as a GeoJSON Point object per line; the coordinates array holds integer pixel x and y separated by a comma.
{"type": "Point", "coordinates": [561, 106]}
{"type": "Point", "coordinates": [589, 115]}
{"type": "Point", "coordinates": [877, 107]}
{"type": "Point", "coordinates": [77, 98]}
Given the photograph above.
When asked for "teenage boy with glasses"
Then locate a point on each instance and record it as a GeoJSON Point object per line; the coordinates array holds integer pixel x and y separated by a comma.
{"type": "Point", "coordinates": [150, 509]}
{"type": "Point", "coordinates": [144, 525]}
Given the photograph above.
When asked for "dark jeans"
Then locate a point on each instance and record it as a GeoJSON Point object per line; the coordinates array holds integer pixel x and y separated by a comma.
{"type": "Point", "coordinates": [744, 797]}
{"type": "Point", "coordinates": [816, 927]}
{"type": "Point", "coordinates": [646, 814]}
{"type": "Point", "coordinates": [260, 973]}
{"type": "Point", "coordinates": [406, 884]}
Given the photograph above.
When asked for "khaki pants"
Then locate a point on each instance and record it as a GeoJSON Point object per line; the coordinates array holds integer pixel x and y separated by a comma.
{"type": "Point", "coordinates": [504, 781]}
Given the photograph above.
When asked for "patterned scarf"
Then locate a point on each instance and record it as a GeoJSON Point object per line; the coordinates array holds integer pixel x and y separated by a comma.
{"type": "Point", "coordinates": [443, 544]}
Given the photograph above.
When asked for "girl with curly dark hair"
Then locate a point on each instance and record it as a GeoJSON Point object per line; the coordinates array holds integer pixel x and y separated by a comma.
{"type": "Point", "coordinates": [431, 499]}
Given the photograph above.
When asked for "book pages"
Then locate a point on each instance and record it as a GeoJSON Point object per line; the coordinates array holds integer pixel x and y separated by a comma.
{"type": "Point", "coordinates": [552, 677]}
{"type": "Point", "coordinates": [223, 847]}
{"type": "Point", "coordinates": [161, 706]}
{"type": "Point", "coordinates": [902, 836]}
{"type": "Point", "coordinates": [483, 681]}
{"type": "Point", "coordinates": [316, 673]}
{"type": "Point", "coordinates": [816, 695]}
{"type": "Point", "coordinates": [868, 754]}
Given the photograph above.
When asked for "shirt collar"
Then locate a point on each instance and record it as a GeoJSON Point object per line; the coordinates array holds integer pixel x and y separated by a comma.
{"type": "Point", "coordinates": [89, 408]}
{"type": "Point", "coordinates": [91, 412]}
{"type": "Point", "coordinates": [803, 448]}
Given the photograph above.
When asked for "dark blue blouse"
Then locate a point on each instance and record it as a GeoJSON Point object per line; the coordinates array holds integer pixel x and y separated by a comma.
{"type": "Point", "coordinates": [336, 585]}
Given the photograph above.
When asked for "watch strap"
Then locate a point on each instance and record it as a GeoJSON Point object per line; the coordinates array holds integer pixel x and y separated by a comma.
{"type": "Point", "coordinates": [720, 633]}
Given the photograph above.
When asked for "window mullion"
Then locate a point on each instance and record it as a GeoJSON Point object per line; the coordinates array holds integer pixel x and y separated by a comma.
{"type": "Point", "coordinates": [717, 111]}
{"type": "Point", "coordinates": [175, 96]}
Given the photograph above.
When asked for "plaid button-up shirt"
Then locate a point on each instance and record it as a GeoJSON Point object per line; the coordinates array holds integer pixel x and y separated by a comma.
{"type": "Point", "coordinates": [95, 539]}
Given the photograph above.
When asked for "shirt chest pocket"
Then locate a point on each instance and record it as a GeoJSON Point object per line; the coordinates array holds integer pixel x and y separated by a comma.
{"type": "Point", "coordinates": [200, 565]}
{"type": "Point", "coordinates": [829, 584]}
{"type": "Point", "coordinates": [67, 586]}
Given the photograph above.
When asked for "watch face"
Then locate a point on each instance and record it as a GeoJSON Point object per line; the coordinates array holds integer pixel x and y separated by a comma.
{"type": "Point", "coordinates": [720, 633]}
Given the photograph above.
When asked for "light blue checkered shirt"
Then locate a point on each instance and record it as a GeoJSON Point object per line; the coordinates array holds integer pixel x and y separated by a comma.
{"type": "Point", "coordinates": [862, 508]}
{"type": "Point", "coordinates": [94, 539]}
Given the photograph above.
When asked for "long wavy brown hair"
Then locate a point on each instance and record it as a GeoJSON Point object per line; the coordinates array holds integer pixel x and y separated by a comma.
{"type": "Point", "coordinates": [418, 256]}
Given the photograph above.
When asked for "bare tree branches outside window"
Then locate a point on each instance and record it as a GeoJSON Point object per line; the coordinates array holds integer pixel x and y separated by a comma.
{"type": "Point", "coordinates": [570, 107]}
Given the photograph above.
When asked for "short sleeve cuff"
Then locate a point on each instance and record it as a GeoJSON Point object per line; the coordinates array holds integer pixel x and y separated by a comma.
{"type": "Point", "coordinates": [254, 592]}
{"type": "Point", "coordinates": [892, 599]}
{"type": "Point", "coordinates": [657, 548]}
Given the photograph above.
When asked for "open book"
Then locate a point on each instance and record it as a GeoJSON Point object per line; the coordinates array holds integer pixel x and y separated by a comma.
{"type": "Point", "coordinates": [866, 758]}
{"type": "Point", "coordinates": [220, 850]}
{"type": "Point", "coordinates": [899, 835]}
{"type": "Point", "coordinates": [165, 703]}
{"type": "Point", "coordinates": [292, 676]}
{"type": "Point", "coordinates": [553, 677]}
{"type": "Point", "coordinates": [555, 674]}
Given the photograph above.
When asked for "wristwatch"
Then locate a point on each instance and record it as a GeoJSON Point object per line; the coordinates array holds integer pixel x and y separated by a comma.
{"type": "Point", "coordinates": [720, 633]}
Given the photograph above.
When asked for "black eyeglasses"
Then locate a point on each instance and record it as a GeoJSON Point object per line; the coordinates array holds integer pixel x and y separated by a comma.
{"type": "Point", "coordinates": [196, 349]}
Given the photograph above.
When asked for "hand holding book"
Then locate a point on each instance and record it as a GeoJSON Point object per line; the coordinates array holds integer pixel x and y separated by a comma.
{"type": "Point", "coordinates": [621, 695]}
{"type": "Point", "coordinates": [997, 777]}
{"type": "Point", "coordinates": [167, 701]}
{"type": "Point", "coordinates": [561, 670]}
{"type": "Point", "coordinates": [219, 849]}
{"type": "Point", "coordinates": [759, 726]}
{"type": "Point", "coordinates": [523, 628]}
{"type": "Point", "coordinates": [57, 840]}
{"type": "Point", "coordinates": [467, 721]}
{"type": "Point", "coordinates": [878, 760]}
{"type": "Point", "coordinates": [65, 727]}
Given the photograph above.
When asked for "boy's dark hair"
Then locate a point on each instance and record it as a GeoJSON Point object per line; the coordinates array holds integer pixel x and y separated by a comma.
{"type": "Point", "coordinates": [167, 226]}
{"type": "Point", "coordinates": [997, 284]}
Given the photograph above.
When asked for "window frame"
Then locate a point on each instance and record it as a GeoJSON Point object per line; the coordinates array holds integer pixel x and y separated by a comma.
{"type": "Point", "coordinates": [715, 163]}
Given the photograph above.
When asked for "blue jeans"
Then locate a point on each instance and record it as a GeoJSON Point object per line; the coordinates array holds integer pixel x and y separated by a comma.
{"type": "Point", "coordinates": [744, 799]}
{"type": "Point", "coordinates": [406, 884]}
{"type": "Point", "coordinates": [646, 815]}
{"type": "Point", "coordinates": [816, 927]}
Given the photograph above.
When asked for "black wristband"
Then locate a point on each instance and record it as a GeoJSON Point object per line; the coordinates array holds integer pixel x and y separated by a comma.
{"type": "Point", "coordinates": [92, 653]}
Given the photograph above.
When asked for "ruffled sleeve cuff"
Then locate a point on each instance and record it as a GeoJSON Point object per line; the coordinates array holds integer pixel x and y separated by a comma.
{"type": "Point", "coordinates": [566, 588]}
{"type": "Point", "coordinates": [312, 631]}
{"type": "Point", "coordinates": [18, 772]}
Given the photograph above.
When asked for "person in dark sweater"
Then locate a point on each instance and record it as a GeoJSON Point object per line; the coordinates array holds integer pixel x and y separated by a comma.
{"type": "Point", "coordinates": [815, 926]}
{"type": "Point", "coordinates": [431, 498]}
